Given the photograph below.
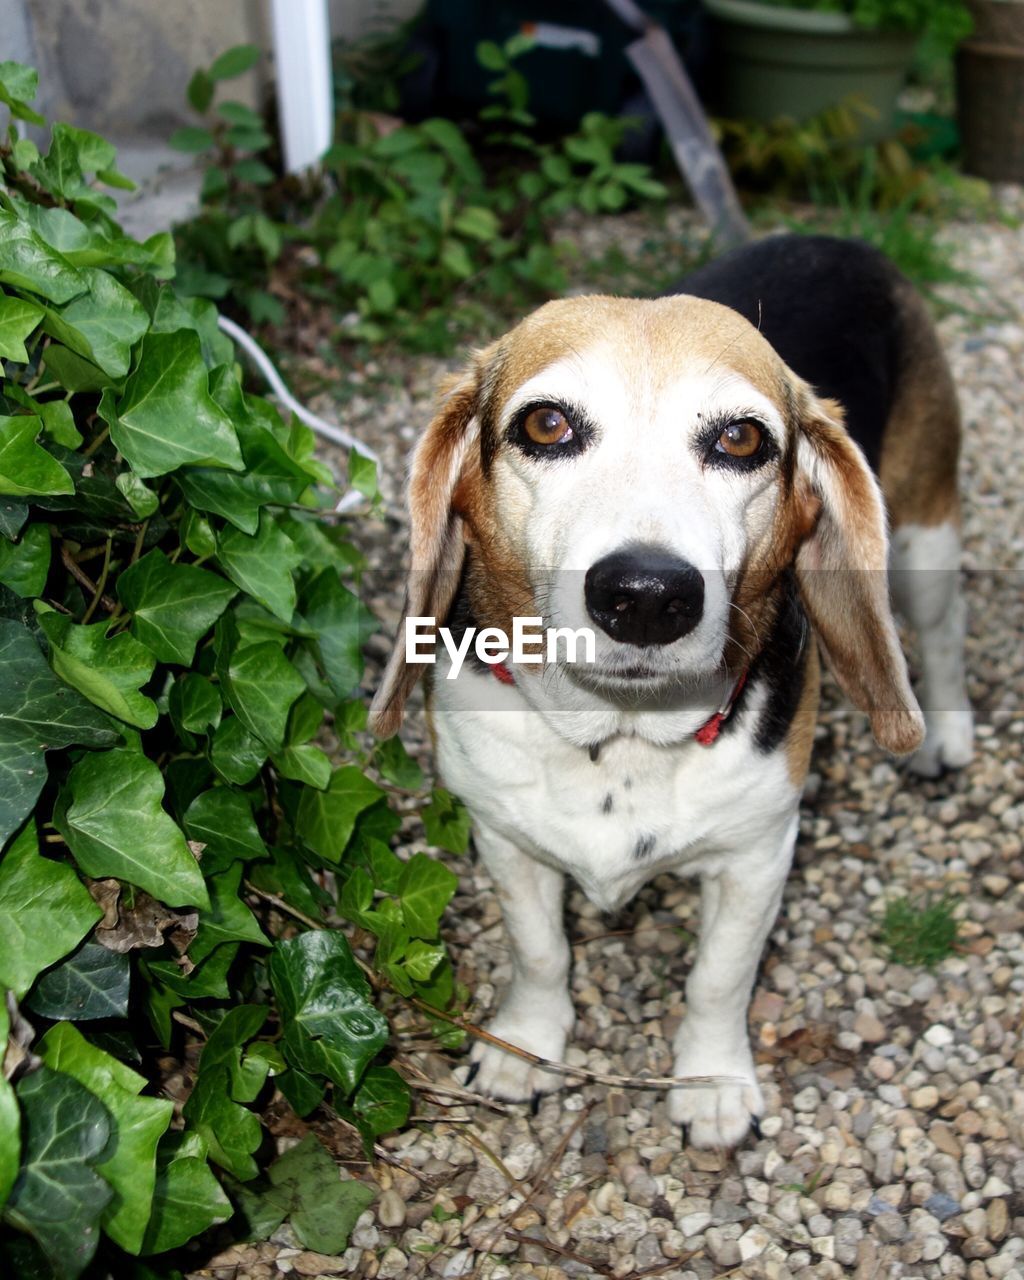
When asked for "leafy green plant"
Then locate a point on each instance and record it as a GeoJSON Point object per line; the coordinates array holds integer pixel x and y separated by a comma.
{"type": "Point", "coordinates": [823, 155]}
{"type": "Point", "coordinates": [180, 628]}
{"type": "Point", "coordinates": [415, 232]}
{"type": "Point", "coordinates": [920, 931]}
{"type": "Point", "coordinates": [234, 238]}
{"type": "Point", "coordinates": [368, 71]}
{"type": "Point", "coordinates": [946, 21]}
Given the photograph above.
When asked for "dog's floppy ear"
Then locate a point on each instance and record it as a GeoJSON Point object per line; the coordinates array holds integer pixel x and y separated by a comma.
{"type": "Point", "coordinates": [442, 456]}
{"type": "Point", "coordinates": [841, 567]}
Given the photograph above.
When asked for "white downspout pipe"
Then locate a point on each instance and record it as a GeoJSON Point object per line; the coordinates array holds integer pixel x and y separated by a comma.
{"type": "Point", "coordinates": [305, 97]}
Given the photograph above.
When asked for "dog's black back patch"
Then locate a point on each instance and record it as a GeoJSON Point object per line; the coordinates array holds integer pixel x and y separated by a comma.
{"type": "Point", "coordinates": [829, 308]}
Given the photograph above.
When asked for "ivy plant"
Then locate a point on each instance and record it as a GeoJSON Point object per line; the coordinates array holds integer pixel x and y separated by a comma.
{"type": "Point", "coordinates": [180, 636]}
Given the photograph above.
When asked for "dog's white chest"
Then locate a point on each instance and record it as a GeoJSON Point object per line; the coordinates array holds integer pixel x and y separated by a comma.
{"type": "Point", "coordinates": [615, 821]}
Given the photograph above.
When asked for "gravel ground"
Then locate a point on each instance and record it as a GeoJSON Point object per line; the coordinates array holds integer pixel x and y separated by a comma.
{"type": "Point", "coordinates": [893, 1144]}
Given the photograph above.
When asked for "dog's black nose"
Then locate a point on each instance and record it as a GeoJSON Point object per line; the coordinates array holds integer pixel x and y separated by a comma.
{"type": "Point", "coordinates": [644, 596]}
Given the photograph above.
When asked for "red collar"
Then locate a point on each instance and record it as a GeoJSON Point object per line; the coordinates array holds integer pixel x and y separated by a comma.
{"type": "Point", "coordinates": [706, 735]}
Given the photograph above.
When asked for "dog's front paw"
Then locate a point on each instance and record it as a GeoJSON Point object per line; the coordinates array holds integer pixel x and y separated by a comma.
{"type": "Point", "coordinates": [948, 744]}
{"type": "Point", "coordinates": [717, 1115]}
{"type": "Point", "coordinates": [513, 1079]}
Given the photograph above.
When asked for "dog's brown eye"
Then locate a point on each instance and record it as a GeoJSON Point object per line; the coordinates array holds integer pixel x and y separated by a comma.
{"type": "Point", "coordinates": [740, 439]}
{"type": "Point", "coordinates": [547, 426]}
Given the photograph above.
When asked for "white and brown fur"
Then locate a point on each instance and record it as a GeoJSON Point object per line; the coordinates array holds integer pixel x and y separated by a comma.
{"type": "Point", "coordinates": [595, 773]}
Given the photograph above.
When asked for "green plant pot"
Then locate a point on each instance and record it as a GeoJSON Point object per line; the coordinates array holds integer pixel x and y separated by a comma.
{"type": "Point", "coordinates": [777, 62]}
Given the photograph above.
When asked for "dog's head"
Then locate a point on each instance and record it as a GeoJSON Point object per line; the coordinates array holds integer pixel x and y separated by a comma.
{"type": "Point", "coordinates": [649, 469]}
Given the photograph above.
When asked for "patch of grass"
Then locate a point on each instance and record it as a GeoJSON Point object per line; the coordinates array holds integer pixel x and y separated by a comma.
{"type": "Point", "coordinates": [807, 1188]}
{"type": "Point", "coordinates": [908, 237]}
{"type": "Point", "coordinates": [920, 932]}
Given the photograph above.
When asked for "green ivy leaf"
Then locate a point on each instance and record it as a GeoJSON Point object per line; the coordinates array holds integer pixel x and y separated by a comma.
{"type": "Point", "coordinates": [96, 243]}
{"type": "Point", "coordinates": [288, 876]}
{"type": "Point", "coordinates": [304, 763]}
{"type": "Point", "coordinates": [207, 981]}
{"type": "Point", "coordinates": [362, 474]}
{"type": "Point", "coordinates": [270, 475]}
{"type": "Point", "coordinates": [24, 565]}
{"type": "Point", "coordinates": [425, 890]}
{"type": "Point", "coordinates": [228, 919]}
{"type": "Point", "coordinates": [342, 624]}
{"type": "Point", "coordinates": [59, 1197]}
{"type": "Point", "coordinates": [10, 1121]}
{"type": "Point", "coordinates": [422, 958]}
{"type": "Point", "coordinates": [130, 1168]}
{"type": "Point", "coordinates": [38, 713]}
{"type": "Point", "coordinates": [28, 262]}
{"type": "Point", "coordinates": [59, 423]}
{"type": "Point", "coordinates": [194, 704]}
{"type": "Point", "coordinates": [382, 1102]}
{"type": "Point", "coordinates": [25, 468]}
{"type": "Point", "coordinates": [222, 820]}
{"type": "Point", "coordinates": [384, 865]}
{"type": "Point", "coordinates": [446, 821]}
{"type": "Point", "coordinates": [326, 819]}
{"type": "Point", "coordinates": [92, 982]}
{"type": "Point", "coordinates": [12, 517]}
{"type": "Point", "coordinates": [187, 1198]}
{"type": "Point", "coordinates": [166, 417]}
{"type": "Point", "coordinates": [303, 1093]}
{"type": "Point", "coordinates": [73, 153]}
{"type": "Point", "coordinates": [115, 826]}
{"type": "Point", "coordinates": [102, 325]}
{"type": "Point", "coordinates": [262, 565]}
{"type": "Point", "coordinates": [230, 1130]}
{"type": "Point", "coordinates": [17, 320]}
{"type": "Point", "coordinates": [196, 533]}
{"type": "Point", "coordinates": [261, 684]}
{"type": "Point", "coordinates": [142, 500]}
{"type": "Point", "coordinates": [172, 605]}
{"type": "Point", "coordinates": [235, 753]}
{"type": "Point", "coordinates": [395, 764]}
{"type": "Point", "coordinates": [73, 372]}
{"type": "Point", "coordinates": [110, 672]}
{"type": "Point", "coordinates": [306, 1188]}
{"type": "Point", "coordinates": [45, 912]}
{"type": "Point", "coordinates": [18, 86]}
{"type": "Point", "coordinates": [330, 1026]}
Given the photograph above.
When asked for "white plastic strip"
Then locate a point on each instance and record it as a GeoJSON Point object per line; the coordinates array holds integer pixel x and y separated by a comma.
{"type": "Point", "coordinates": [305, 99]}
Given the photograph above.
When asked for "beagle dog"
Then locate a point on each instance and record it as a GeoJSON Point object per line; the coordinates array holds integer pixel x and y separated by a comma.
{"type": "Point", "coordinates": [691, 477]}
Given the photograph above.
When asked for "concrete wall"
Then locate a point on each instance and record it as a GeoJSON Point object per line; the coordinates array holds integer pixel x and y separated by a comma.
{"type": "Point", "coordinates": [120, 67]}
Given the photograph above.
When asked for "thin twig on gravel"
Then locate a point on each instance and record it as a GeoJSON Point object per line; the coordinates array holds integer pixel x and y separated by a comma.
{"type": "Point", "coordinates": [597, 1267]}
{"type": "Point", "coordinates": [628, 933]}
{"type": "Point", "coordinates": [417, 1079]}
{"type": "Point", "coordinates": [537, 1182]}
{"type": "Point", "coordinates": [576, 1073]}
{"type": "Point", "coordinates": [434, 1181]}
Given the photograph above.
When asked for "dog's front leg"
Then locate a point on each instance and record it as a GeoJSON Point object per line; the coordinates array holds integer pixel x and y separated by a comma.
{"type": "Point", "coordinates": [738, 907]}
{"type": "Point", "coordinates": [536, 1013]}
